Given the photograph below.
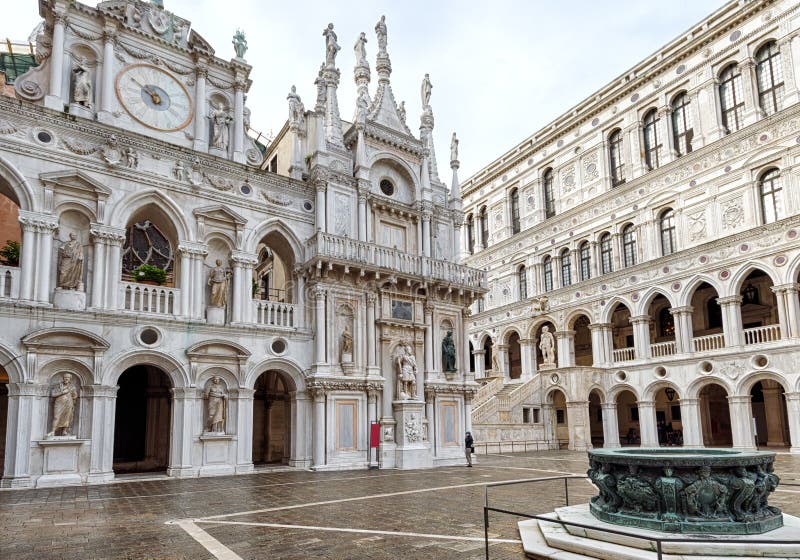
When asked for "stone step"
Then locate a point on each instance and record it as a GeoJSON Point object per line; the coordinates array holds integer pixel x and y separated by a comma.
{"type": "Point", "coordinates": [537, 548]}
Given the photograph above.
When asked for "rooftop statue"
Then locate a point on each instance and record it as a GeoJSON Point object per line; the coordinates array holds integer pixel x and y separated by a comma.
{"type": "Point", "coordinates": [361, 50]}
{"type": "Point", "coordinates": [454, 148]}
{"type": "Point", "coordinates": [425, 91]}
{"type": "Point", "coordinates": [239, 43]}
{"type": "Point", "coordinates": [380, 31]}
{"type": "Point", "coordinates": [332, 48]}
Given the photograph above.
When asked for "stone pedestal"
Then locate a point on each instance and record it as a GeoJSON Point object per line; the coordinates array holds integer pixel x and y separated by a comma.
{"type": "Point", "coordinates": [215, 315]}
{"type": "Point", "coordinates": [218, 456]}
{"type": "Point", "coordinates": [60, 465]}
{"type": "Point", "coordinates": [219, 152]}
{"type": "Point", "coordinates": [413, 450]}
{"type": "Point", "coordinates": [69, 299]}
{"type": "Point", "coordinates": [80, 111]}
{"type": "Point", "coordinates": [543, 367]}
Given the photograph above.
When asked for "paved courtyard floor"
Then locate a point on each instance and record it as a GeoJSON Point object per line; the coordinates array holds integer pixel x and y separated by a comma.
{"type": "Point", "coordinates": [428, 514]}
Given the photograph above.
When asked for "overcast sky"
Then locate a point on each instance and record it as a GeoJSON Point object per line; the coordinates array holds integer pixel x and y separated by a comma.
{"type": "Point", "coordinates": [500, 69]}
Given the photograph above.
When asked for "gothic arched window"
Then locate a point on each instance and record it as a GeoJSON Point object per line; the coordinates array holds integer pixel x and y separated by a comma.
{"type": "Point", "coordinates": [629, 246]}
{"type": "Point", "coordinates": [146, 244]}
{"type": "Point", "coordinates": [731, 98]}
{"type": "Point", "coordinates": [652, 146]}
{"type": "Point", "coordinates": [771, 195]}
{"type": "Point", "coordinates": [667, 228]}
{"type": "Point", "coordinates": [606, 254]}
{"type": "Point", "coordinates": [769, 77]}
{"type": "Point", "coordinates": [682, 131]}
{"type": "Point", "coordinates": [616, 159]}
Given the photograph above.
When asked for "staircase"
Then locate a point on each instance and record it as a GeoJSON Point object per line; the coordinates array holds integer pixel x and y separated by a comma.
{"type": "Point", "coordinates": [504, 399]}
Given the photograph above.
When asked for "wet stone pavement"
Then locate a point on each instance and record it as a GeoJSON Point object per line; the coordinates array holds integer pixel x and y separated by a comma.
{"type": "Point", "coordinates": [296, 514]}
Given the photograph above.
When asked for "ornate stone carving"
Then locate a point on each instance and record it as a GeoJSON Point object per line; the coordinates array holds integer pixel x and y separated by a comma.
{"type": "Point", "coordinates": [697, 225]}
{"type": "Point", "coordinates": [412, 429]}
{"type": "Point", "coordinates": [406, 365]}
{"type": "Point", "coordinates": [239, 44]}
{"type": "Point", "coordinates": [732, 213]}
{"type": "Point", "coordinates": [70, 264]}
{"type": "Point", "coordinates": [218, 280]}
{"type": "Point", "coordinates": [332, 48]}
{"type": "Point", "coordinates": [65, 398]}
{"type": "Point", "coordinates": [448, 353]}
{"type": "Point", "coordinates": [216, 398]}
{"type": "Point", "coordinates": [547, 346]}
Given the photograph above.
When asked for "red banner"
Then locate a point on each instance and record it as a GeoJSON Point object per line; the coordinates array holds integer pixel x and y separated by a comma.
{"type": "Point", "coordinates": [374, 434]}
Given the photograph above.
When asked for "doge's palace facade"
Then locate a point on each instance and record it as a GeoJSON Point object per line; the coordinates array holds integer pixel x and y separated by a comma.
{"type": "Point", "coordinates": [642, 252]}
{"type": "Point", "coordinates": [176, 297]}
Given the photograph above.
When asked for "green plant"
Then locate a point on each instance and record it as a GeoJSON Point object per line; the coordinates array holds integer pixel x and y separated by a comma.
{"type": "Point", "coordinates": [9, 253]}
{"type": "Point", "coordinates": [150, 273]}
{"type": "Point", "coordinates": [255, 287]}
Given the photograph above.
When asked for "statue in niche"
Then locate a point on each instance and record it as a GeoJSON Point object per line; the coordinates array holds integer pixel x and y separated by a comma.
{"type": "Point", "coordinates": [448, 353]}
{"type": "Point", "coordinates": [406, 373]}
{"type": "Point", "coordinates": [216, 397]}
{"type": "Point", "coordinates": [496, 362]}
{"type": "Point", "coordinates": [347, 344]}
{"type": "Point", "coordinates": [70, 264]}
{"type": "Point", "coordinates": [454, 148]}
{"type": "Point", "coordinates": [239, 43]}
{"type": "Point", "coordinates": [547, 346]}
{"type": "Point", "coordinates": [360, 50]}
{"type": "Point", "coordinates": [82, 86]}
{"type": "Point", "coordinates": [221, 119]}
{"type": "Point", "coordinates": [65, 396]}
{"type": "Point", "coordinates": [380, 31]}
{"type": "Point", "coordinates": [331, 46]}
{"type": "Point", "coordinates": [218, 280]}
{"type": "Point", "coordinates": [425, 91]}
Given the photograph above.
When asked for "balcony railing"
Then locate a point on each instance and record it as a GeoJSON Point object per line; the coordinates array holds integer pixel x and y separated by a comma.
{"type": "Point", "coordinates": [352, 251]}
{"type": "Point", "coordinates": [709, 342]}
{"type": "Point", "coordinates": [276, 314]}
{"type": "Point", "coordinates": [9, 282]}
{"type": "Point", "coordinates": [143, 298]}
{"type": "Point", "coordinates": [758, 335]}
{"type": "Point", "coordinates": [660, 349]}
{"type": "Point", "coordinates": [624, 354]}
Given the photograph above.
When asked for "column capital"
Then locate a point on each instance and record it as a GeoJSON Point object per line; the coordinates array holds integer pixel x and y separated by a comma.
{"type": "Point", "coordinates": [792, 396]}
{"type": "Point", "coordinates": [564, 334]}
{"type": "Point", "coordinates": [193, 249]}
{"type": "Point", "coordinates": [600, 326]}
{"type": "Point", "coordinates": [646, 404]}
{"type": "Point", "coordinates": [729, 300]}
{"type": "Point", "coordinates": [686, 309]}
{"type": "Point", "coordinates": [107, 234]}
{"type": "Point", "coordinates": [791, 287]}
{"type": "Point", "coordinates": [38, 222]}
{"type": "Point", "coordinates": [482, 352]}
{"type": "Point", "coordinates": [319, 292]}
{"type": "Point", "coordinates": [689, 402]}
{"type": "Point", "coordinates": [243, 259]}
{"type": "Point", "coordinates": [608, 406]}
{"type": "Point", "coordinates": [317, 393]}
{"type": "Point", "coordinates": [739, 399]}
{"type": "Point", "coordinates": [639, 319]}
{"type": "Point", "coordinates": [372, 297]}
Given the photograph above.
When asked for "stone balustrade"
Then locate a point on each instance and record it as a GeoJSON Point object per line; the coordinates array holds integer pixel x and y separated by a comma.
{"type": "Point", "coordinates": [759, 335]}
{"type": "Point", "coordinates": [276, 314]}
{"type": "Point", "coordinates": [709, 342]}
{"type": "Point", "coordinates": [660, 349]}
{"type": "Point", "coordinates": [155, 300]}
{"type": "Point", "coordinates": [624, 354]}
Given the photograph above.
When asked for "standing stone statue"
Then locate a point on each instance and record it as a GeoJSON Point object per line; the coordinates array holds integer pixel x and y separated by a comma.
{"type": "Point", "coordinates": [70, 265]}
{"type": "Point", "coordinates": [239, 43]}
{"type": "Point", "coordinates": [82, 86]}
{"type": "Point", "coordinates": [406, 374]}
{"type": "Point", "coordinates": [360, 50]}
{"type": "Point", "coordinates": [297, 110]}
{"type": "Point", "coordinates": [347, 341]}
{"type": "Point", "coordinates": [221, 119]}
{"type": "Point", "coordinates": [322, 93]}
{"type": "Point", "coordinates": [547, 346]}
{"type": "Point", "coordinates": [401, 111]}
{"type": "Point", "coordinates": [218, 280]}
{"type": "Point", "coordinates": [331, 46]}
{"type": "Point", "coordinates": [425, 91]}
{"type": "Point", "coordinates": [448, 353]}
{"type": "Point", "coordinates": [454, 148]}
{"type": "Point", "coordinates": [215, 395]}
{"type": "Point", "coordinates": [380, 31]}
{"type": "Point", "coordinates": [65, 395]}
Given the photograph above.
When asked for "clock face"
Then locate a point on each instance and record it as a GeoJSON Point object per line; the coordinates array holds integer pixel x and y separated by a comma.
{"type": "Point", "coordinates": [154, 98]}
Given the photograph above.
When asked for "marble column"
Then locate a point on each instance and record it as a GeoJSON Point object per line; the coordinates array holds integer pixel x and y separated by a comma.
{"type": "Point", "coordinates": [185, 407]}
{"type": "Point", "coordinates": [773, 410]}
{"type": "Point", "coordinates": [244, 427]}
{"type": "Point", "coordinates": [468, 411]}
{"type": "Point", "coordinates": [107, 88]}
{"type": "Point", "coordinates": [610, 425]}
{"type": "Point", "coordinates": [46, 259]}
{"type": "Point", "coordinates": [793, 415]}
{"type": "Point", "coordinates": [318, 396]}
{"type": "Point", "coordinates": [27, 261]}
{"type": "Point", "coordinates": [201, 107]}
{"type": "Point", "coordinates": [732, 320]}
{"type": "Point", "coordinates": [602, 345]}
{"type": "Point", "coordinates": [101, 454]}
{"type": "Point", "coordinates": [742, 422]}
{"type": "Point", "coordinates": [752, 107]}
{"type": "Point", "coordinates": [321, 189]}
{"type": "Point", "coordinates": [683, 328]}
{"type": "Point", "coordinates": [527, 355]}
{"type": "Point", "coordinates": [580, 437]}
{"type": "Point", "coordinates": [690, 422]}
{"type": "Point", "coordinates": [185, 281]}
{"type": "Point", "coordinates": [115, 239]}
{"type": "Point", "coordinates": [99, 269]}
{"type": "Point", "coordinates": [502, 360]}
{"type": "Point", "coordinates": [362, 215]}
{"type": "Point", "coordinates": [792, 302]}
{"type": "Point", "coordinates": [668, 152]}
{"type": "Point", "coordinates": [55, 100]}
{"type": "Point", "coordinates": [479, 356]}
{"type": "Point", "coordinates": [320, 331]}
{"type": "Point", "coordinates": [22, 408]}
{"type": "Point", "coordinates": [426, 233]}
{"type": "Point", "coordinates": [238, 121]}
{"type": "Point", "coordinates": [647, 423]}
{"type": "Point", "coordinates": [641, 336]}
{"type": "Point", "coordinates": [371, 357]}
{"type": "Point", "coordinates": [565, 341]}
{"type": "Point", "coordinates": [430, 367]}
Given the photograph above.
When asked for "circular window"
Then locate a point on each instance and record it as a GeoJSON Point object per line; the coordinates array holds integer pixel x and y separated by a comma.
{"type": "Point", "coordinates": [760, 361]}
{"type": "Point", "coordinates": [278, 346]}
{"type": "Point", "coordinates": [148, 336]}
{"type": "Point", "coordinates": [660, 371]}
{"type": "Point", "coordinates": [706, 367]}
{"type": "Point", "coordinates": [621, 376]}
{"type": "Point", "coordinates": [307, 206]}
{"type": "Point", "coordinates": [44, 137]}
{"type": "Point", "coordinates": [246, 189]}
{"type": "Point", "coordinates": [387, 187]}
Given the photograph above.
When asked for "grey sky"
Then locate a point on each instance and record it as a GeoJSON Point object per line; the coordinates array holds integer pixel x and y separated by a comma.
{"type": "Point", "coordinates": [500, 69]}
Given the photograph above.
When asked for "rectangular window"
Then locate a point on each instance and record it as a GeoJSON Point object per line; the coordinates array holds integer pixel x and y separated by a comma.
{"type": "Point", "coordinates": [515, 225]}
{"type": "Point", "coordinates": [535, 416]}
{"type": "Point", "coordinates": [606, 255]}
{"type": "Point", "coordinates": [560, 416]}
{"type": "Point", "coordinates": [526, 415]}
{"type": "Point", "coordinates": [346, 425]}
{"type": "Point", "coordinates": [586, 262]}
{"type": "Point", "coordinates": [548, 275]}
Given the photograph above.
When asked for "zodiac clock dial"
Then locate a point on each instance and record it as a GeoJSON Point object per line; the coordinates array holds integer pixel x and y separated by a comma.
{"type": "Point", "coordinates": [154, 97]}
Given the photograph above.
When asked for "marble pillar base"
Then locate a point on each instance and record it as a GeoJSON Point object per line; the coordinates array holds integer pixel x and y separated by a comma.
{"type": "Point", "coordinates": [217, 454]}
{"type": "Point", "coordinates": [413, 449]}
{"type": "Point", "coordinates": [69, 299]}
{"type": "Point", "coordinates": [61, 459]}
{"type": "Point", "coordinates": [80, 111]}
{"type": "Point", "coordinates": [543, 367]}
{"type": "Point", "coordinates": [544, 539]}
{"type": "Point", "coordinates": [215, 315]}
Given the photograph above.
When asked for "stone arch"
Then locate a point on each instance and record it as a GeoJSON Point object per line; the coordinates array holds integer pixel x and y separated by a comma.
{"type": "Point", "coordinates": [82, 207]}
{"type": "Point", "coordinates": [746, 383]}
{"type": "Point", "coordinates": [271, 226]}
{"type": "Point", "coordinates": [288, 366]}
{"type": "Point", "coordinates": [792, 270]}
{"type": "Point", "coordinates": [649, 392]}
{"type": "Point", "coordinates": [611, 305]}
{"type": "Point", "coordinates": [507, 332]}
{"type": "Point", "coordinates": [598, 389]}
{"type": "Point", "coordinates": [221, 237]}
{"type": "Point", "coordinates": [413, 174]}
{"type": "Point", "coordinates": [694, 388]}
{"type": "Point", "coordinates": [19, 189]}
{"type": "Point", "coordinates": [67, 365]}
{"type": "Point", "coordinates": [738, 278]}
{"type": "Point", "coordinates": [614, 392]}
{"type": "Point", "coordinates": [647, 298]}
{"type": "Point", "coordinates": [548, 395]}
{"type": "Point", "coordinates": [538, 322]}
{"type": "Point", "coordinates": [172, 368]}
{"type": "Point", "coordinates": [574, 314]}
{"type": "Point", "coordinates": [223, 372]}
{"type": "Point", "coordinates": [685, 296]}
{"type": "Point", "coordinates": [128, 207]}
{"type": "Point", "coordinates": [13, 364]}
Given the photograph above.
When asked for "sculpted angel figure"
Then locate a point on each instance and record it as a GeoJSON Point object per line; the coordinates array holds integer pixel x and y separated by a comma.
{"type": "Point", "coordinates": [331, 46]}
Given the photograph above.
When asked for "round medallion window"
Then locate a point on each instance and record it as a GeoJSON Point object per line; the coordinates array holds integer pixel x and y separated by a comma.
{"type": "Point", "coordinates": [706, 367]}
{"type": "Point", "coordinates": [148, 336]}
{"type": "Point", "coordinates": [307, 206]}
{"type": "Point", "coordinates": [387, 187]}
{"type": "Point", "coordinates": [246, 189]}
{"type": "Point", "coordinates": [44, 137]}
{"type": "Point", "coordinates": [278, 346]}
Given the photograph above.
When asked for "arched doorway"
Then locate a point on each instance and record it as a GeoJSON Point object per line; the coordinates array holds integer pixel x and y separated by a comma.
{"type": "Point", "coordinates": [596, 418]}
{"type": "Point", "coordinates": [143, 420]}
{"type": "Point", "coordinates": [582, 341]}
{"type": "Point", "coordinates": [272, 421]}
{"type": "Point", "coordinates": [768, 401]}
{"type": "Point", "coordinates": [668, 417]}
{"type": "Point", "coordinates": [715, 416]}
{"type": "Point", "coordinates": [759, 309]}
{"type": "Point", "coordinates": [706, 319]}
{"type": "Point", "coordinates": [662, 327]}
{"type": "Point", "coordinates": [622, 334]}
{"type": "Point", "coordinates": [559, 420]}
{"type": "Point", "coordinates": [628, 418]}
{"type": "Point", "coordinates": [514, 356]}
{"type": "Point", "coordinates": [3, 418]}
{"type": "Point", "coordinates": [10, 241]}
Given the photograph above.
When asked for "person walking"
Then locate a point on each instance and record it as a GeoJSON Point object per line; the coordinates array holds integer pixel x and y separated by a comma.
{"type": "Point", "coordinates": [468, 448]}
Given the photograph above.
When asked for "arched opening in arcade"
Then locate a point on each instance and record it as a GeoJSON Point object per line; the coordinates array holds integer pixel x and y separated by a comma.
{"type": "Point", "coordinates": [514, 356]}
{"type": "Point", "coordinates": [768, 401]}
{"type": "Point", "coordinates": [10, 241]}
{"type": "Point", "coordinates": [630, 432]}
{"type": "Point", "coordinates": [143, 420]}
{"type": "Point", "coordinates": [471, 357]}
{"type": "Point", "coordinates": [759, 309]}
{"type": "Point", "coordinates": [622, 334]}
{"type": "Point", "coordinates": [715, 416]}
{"type": "Point", "coordinates": [559, 421]}
{"type": "Point", "coordinates": [706, 319]}
{"type": "Point", "coordinates": [668, 417]}
{"type": "Point", "coordinates": [3, 418]}
{"type": "Point", "coordinates": [596, 418]}
{"type": "Point", "coordinates": [582, 341]}
{"type": "Point", "coordinates": [541, 359]}
{"type": "Point", "coordinates": [273, 275]}
{"type": "Point", "coordinates": [272, 419]}
{"type": "Point", "coordinates": [488, 358]}
{"type": "Point", "coordinates": [662, 327]}
{"type": "Point", "coordinates": [151, 240]}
